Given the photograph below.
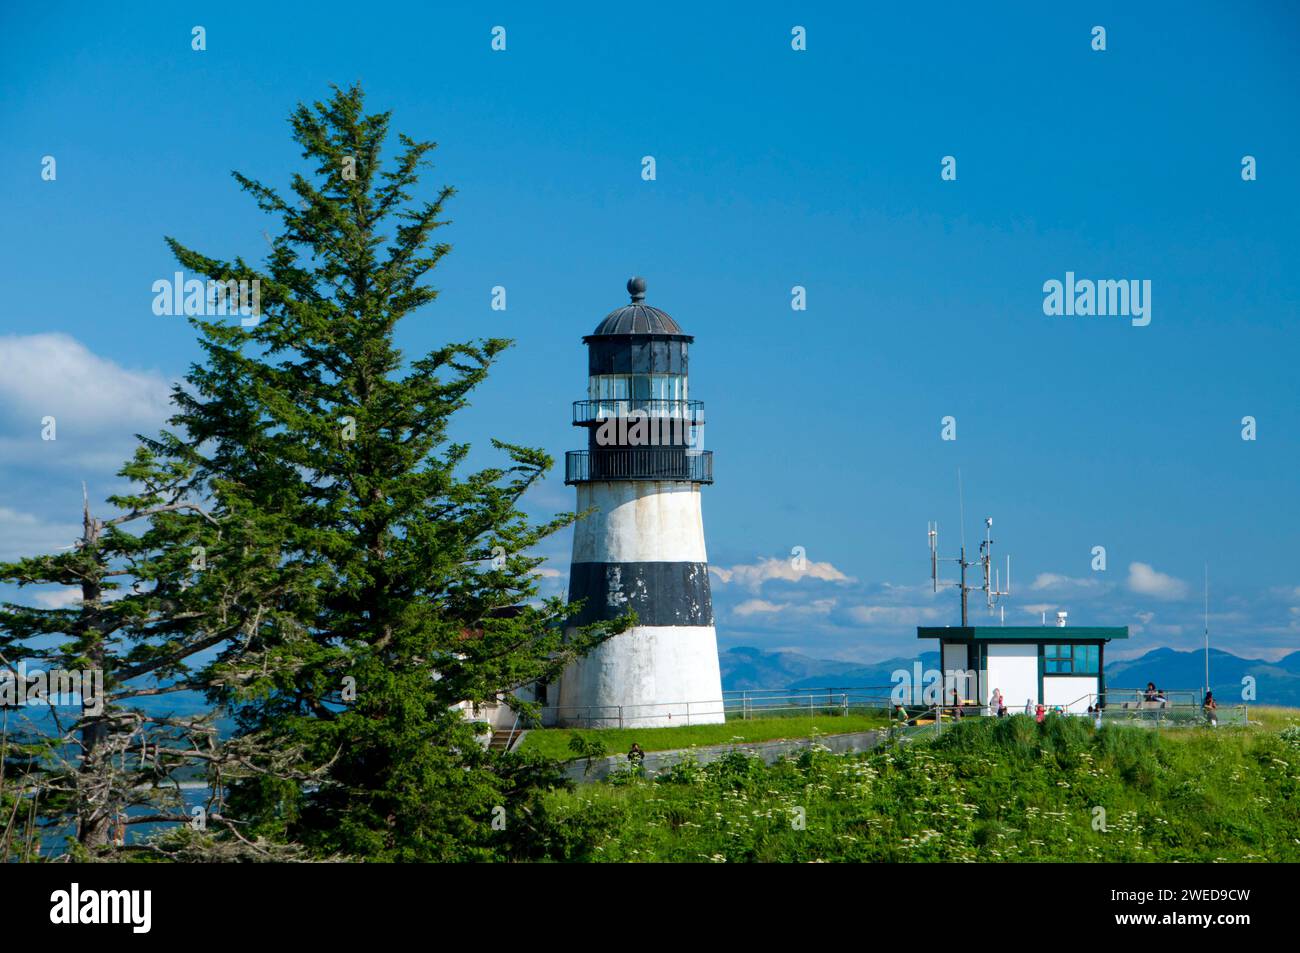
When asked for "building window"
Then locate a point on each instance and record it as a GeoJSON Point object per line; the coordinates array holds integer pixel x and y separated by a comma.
{"type": "Point", "coordinates": [1071, 659]}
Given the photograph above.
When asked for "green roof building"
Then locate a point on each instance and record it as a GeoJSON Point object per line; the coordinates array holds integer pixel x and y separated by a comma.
{"type": "Point", "coordinates": [1052, 665]}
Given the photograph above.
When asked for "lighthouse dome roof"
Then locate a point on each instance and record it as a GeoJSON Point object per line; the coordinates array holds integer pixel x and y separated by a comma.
{"type": "Point", "coordinates": [637, 317]}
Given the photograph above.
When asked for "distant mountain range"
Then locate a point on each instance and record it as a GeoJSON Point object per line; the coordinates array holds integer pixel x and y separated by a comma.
{"type": "Point", "coordinates": [1276, 683]}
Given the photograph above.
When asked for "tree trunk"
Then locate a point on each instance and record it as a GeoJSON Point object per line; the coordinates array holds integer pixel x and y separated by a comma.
{"type": "Point", "coordinates": [95, 815]}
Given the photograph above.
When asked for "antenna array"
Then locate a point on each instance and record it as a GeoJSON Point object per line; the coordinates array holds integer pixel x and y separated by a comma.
{"type": "Point", "coordinates": [993, 581]}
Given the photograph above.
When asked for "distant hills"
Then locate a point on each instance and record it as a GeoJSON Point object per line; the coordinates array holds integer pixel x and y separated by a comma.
{"type": "Point", "coordinates": [749, 668]}
{"type": "Point", "coordinates": [1276, 683]}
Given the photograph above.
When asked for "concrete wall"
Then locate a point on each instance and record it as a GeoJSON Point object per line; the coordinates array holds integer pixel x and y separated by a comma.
{"type": "Point", "coordinates": [497, 714]}
{"type": "Point", "coordinates": [1013, 667]}
{"type": "Point", "coordinates": [958, 674]}
{"type": "Point", "coordinates": [1066, 690]}
{"type": "Point", "coordinates": [955, 655]}
{"type": "Point", "coordinates": [657, 762]}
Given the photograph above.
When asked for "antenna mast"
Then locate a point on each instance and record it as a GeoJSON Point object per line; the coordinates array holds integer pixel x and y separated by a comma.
{"type": "Point", "coordinates": [1207, 627]}
{"type": "Point", "coordinates": [992, 583]}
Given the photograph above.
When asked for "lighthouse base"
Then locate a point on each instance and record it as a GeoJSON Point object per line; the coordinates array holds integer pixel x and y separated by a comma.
{"type": "Point", "coordinates": [647, 677]}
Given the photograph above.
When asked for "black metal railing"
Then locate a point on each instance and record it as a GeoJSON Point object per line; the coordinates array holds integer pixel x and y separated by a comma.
{"type": "Point", "coordinates": [592, 411]}
{"type": "Point", "coordinates": [641, 463]}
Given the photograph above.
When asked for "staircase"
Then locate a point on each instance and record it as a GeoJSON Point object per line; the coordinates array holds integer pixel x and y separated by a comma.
{"type": "Point", "coordinates": [503, 739]}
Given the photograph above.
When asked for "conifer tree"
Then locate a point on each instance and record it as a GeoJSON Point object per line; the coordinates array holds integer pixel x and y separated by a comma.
{"type": "Point", "coordinates": [91, 745]}
{"type": "Point", "coordinates": [403, 584]}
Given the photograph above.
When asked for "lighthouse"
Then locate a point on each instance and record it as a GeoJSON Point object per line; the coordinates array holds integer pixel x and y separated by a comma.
{"type": "Point", "coordinates": [641, 544]}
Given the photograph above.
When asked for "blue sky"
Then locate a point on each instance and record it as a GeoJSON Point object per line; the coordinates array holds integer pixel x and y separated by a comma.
{"type": "Point", "coordinates": [775, 168]}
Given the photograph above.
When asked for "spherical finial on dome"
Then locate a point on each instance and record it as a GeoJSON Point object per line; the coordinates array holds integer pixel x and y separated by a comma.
{"type": "Point", "coordinates": [636, 288]}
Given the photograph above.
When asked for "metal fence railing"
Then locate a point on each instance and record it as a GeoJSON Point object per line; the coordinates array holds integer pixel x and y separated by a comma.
{"type": "Point", "coordinates": [1149, 699]}
{"type": "Point", "coordinates": [1119, 707]}
{"type": "Point", "coordinates": [642, 463]}
{"type": "Point", "coordinates": [732, 706]}
{"type": "Point", "coordinates": [1174, 716]}
{"type": "Point", "coordinates": [595, 411]}
{"type": "Point", "coordinates": [1179, 708]}
{"type": "Point", "coordinates": [762, 703]}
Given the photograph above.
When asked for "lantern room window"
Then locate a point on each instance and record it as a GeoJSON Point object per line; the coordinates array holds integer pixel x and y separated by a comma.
{"type": "Point", "coordinates": [638, 387]}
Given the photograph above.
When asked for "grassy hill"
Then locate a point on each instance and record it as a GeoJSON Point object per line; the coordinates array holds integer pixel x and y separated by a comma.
{"type": "Point", "coordinates": [989, 790]}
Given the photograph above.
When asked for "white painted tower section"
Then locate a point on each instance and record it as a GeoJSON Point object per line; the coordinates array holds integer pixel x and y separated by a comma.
{"type": "Point", "coordinates": [639, 522]}
{"type": "Point", "coordinates": [649, 676]}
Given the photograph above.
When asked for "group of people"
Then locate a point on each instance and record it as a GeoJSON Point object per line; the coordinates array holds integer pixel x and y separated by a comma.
{"type": "Point", "coordinates": [998, 706]}
{"type": "Point", "coordinates": [1153, 694]}
{"type": "Point", "coordinates": [1039, 711]}
{"type": "Point", "coordinates": [1159, 697]}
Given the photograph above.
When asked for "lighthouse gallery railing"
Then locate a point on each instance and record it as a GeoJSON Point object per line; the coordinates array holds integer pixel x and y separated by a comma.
{"type": "Point", "coordinates": [640, 463]}
{"type": "Point", "coordinates": [595, 411]}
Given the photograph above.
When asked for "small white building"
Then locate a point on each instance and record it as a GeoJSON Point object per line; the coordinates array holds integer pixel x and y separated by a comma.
{"type": "Point", "coordinates": [1031, 664]}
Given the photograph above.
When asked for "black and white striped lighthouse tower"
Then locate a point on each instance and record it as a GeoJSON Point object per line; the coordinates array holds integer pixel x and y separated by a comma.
{"type": "Point", "coordinates": [642, 545]}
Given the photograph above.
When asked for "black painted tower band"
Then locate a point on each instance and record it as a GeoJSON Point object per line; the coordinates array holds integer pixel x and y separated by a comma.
{"type": "Point", "coordinates": [660, 593]}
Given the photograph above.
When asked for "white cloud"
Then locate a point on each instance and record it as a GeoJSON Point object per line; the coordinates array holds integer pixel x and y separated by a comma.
{"type": "Point", "coordinates": [1056, 581]}
{"type": "Point", "coordinates": [763, 607]}
{"type": "Point", "coordinates": [25, 534]}
{"type": "Point", "coordinates": [894, 615]}
{"type": "Point", "coordinates": [753, 576]}
{"type": "Point", "coordinates": [97, 404]}
{"type": "Point", "coordinates": [1145, 580]}
{"type": "Point", "coordinates": [57, 598]}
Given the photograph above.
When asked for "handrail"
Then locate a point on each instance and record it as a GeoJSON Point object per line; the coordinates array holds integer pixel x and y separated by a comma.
{"type": "Point", "coordinates": [513, 729]}
{"type": "Point", "coordinates": [678, 464]}
{"type": "Point", "coordinates": [592, 411]}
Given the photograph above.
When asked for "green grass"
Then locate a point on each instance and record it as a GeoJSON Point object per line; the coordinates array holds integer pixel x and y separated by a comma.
{"type": "Point", "coordinates": [554, 742]}
{"type": "Point", "coordinates": [1274, 718]}
{"type": "Point", "coordinates": [987, 790]}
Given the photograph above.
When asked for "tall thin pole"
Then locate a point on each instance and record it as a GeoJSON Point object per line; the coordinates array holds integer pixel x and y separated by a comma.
{"type": "Point", "coordinates": [961, 512]}
{"type": "Point", "coordinates": [1207, 627]}
{"type": "Point", "coordinates": [961, 515]}
{"type": "Point", "coordinates": [963, 586]}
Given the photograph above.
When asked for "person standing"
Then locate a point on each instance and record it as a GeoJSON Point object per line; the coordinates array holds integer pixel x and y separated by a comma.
{"type": "Point", "coordinates": [636, 758]}
{"type": "Point", "coordinates": [901, 714]}
{"type": "Point", "coordinates": [1211, 710]}
{"type": "Point", "coordinates": [997, 704]}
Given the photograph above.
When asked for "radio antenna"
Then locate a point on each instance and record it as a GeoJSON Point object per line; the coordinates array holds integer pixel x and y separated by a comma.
{"type": "Point", "coordinates": [992, 583]}
{"type": "Point", "coordinates": [961, 512]}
